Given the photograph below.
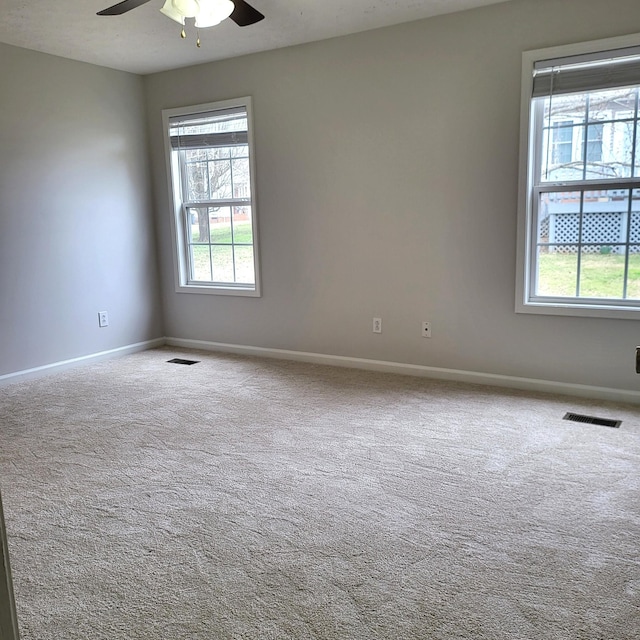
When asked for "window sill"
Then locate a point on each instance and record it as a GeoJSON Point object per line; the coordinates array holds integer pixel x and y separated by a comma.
{"type": "Point", "coordinates": [218, 290]}
{"type": "Point", "coordinates": [579, 310]}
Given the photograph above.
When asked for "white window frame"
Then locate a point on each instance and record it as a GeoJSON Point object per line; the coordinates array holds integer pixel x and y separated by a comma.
{"type": "Point", "coordinates": [178, 208]}
{"type": "Point", "coordinates": [525, 301]}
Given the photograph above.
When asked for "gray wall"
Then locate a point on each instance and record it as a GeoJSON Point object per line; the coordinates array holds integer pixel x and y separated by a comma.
{"type": "Point", "coordinates": [76, 223]}
{"type": "Point", "coordinates": [387, 186]}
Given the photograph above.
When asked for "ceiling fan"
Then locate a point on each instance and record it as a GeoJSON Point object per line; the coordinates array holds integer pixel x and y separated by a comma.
{"type": "Point", "coordinates": [206, 12]}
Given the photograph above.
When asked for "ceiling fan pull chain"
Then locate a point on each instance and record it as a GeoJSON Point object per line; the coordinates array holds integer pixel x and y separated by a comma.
{"type": "Point", "coordinates": [183, 33]}
{"type": "Point", "coordinates": [198, 38]}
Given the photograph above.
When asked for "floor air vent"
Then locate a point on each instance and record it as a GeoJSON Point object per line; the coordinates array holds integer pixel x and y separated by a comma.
{"type": "Point", "coordinates": [602, 422]}
{"type": "Point", "coordinates": [182, 361]}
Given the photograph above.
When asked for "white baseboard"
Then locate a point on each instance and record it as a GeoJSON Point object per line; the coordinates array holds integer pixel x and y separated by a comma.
{"type": "Point", "coordinates": [54, 367]}
{"type": "Point", "coordinates": [457, 375]}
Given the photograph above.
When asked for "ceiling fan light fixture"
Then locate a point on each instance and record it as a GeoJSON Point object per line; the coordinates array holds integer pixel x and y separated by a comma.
{"type": "Point", "coordinates": [170, 11]}
{"type": "Point", "coordinates": [207, 12]}
{"type": "Point", "coordinates": [186, 8]}
{"type": "Point", "coordinates": [213, 12]}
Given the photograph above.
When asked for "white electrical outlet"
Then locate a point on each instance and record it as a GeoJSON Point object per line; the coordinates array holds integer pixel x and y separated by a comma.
{"type": "Point", "coordinates": [103, 319]}
{"type": "Point", "coordinates": [426, 329]}
{"type": "Point", "coordinates": [377, 325]}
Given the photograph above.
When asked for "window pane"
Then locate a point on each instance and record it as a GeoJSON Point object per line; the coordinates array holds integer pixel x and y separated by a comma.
{"type": "Point", "coordinates": [199, 224]}
{"type": "Point", "coordinates": [615, 109]}
{"type": "Point", "coordinates": [240, 172]}
{"type": "Point", "coordinates": [219, 153]}
{"type": "Point", "coordinates": [220, 224]}
{"type": "Point", "coordinates": [608, 135]}
{"type": "Point", "coordinates": [562, 138]}
{"type": "Point", "coordinates": [634, 230]}
{"type": "Point", "coordinates": [197, 181]}
{"type": "Point", "coordinates": [604, 219]}
{"type": "Point", "coordinates": [617, 149]}
{"type": "Point", "coordinates": [220, 179]}
{"type": "Point", "coordinates": [602, 273]}
{"type": "Point", "coordinates": [193, 155]}
{"type": "Point", "coordinates": [612, 104]}
{"type": "Point", "coordinates": [557, 271]}
{"type": "Point", "coordinates": [242, 230]}
{"type": "Point", "coordinates": [200, 262]}
{"type": "Point", "coordinates": [559, 217]}
{"type": "Point", "coordinates": [594, 142]}
{"type": "Point", "coordinates": [244, 265]}
{"type": "Point", "coordinates": [633, 277]}
{"type": "Point", "coordinates": [595, 224]}
{"type": "Point", "coordinates": [561, 157]}
{"type": "Point", "coordinates": [222, 258]}
{"type": "Point", "coordinates": [571, 106]}
{"type": "Point", "coordinates": [240, 151]}
{"type": "Point", "coordinates": [636, 170]}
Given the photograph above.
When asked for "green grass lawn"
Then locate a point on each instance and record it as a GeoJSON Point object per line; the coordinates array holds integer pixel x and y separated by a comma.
{"type": "Point", "coordinates": [221, 232]}
{"type": "Point", "coordinates": [602, 276]}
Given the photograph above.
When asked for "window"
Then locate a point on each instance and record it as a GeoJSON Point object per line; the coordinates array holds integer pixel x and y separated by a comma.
{"type": "Point", "coordinates": [579, 247]}
{"type": "Point", "coordinates": [211, 178]}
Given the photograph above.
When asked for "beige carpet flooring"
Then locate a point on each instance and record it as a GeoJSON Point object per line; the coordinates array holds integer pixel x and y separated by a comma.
{"type": "Point", "coordinates": [257, 499]}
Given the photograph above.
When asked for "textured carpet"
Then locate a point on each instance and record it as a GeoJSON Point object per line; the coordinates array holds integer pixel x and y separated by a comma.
{"type": "Point", "coordinates": [259, 499]}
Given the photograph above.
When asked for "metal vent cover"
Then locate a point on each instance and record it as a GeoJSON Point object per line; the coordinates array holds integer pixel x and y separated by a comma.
{"type": "Point", "coordinates": [183, 361]}
{"type": "Point", "coordinates": [602, 422]}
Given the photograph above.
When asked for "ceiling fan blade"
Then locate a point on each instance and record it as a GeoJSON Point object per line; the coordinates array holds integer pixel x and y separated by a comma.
{"type": "Point", "coordinates": [244, 14]}
{"type": "Point", "coordinates": [122, 7]}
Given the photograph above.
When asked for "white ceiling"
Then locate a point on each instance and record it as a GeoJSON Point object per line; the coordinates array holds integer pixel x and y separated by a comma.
{"type": "Point", "coordinates": [145, 41]}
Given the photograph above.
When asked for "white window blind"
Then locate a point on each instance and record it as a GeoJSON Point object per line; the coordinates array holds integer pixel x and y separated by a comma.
{"type": "Point", "coordinates": [573, 74]}
{"type": "Point", "coordinates": [201, 130]}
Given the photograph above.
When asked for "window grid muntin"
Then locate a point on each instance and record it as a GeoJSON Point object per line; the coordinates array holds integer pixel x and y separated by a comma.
{"type": "Point", "coordinates": [542, 122]}
{"type": "Point", "coordinates": [208, 161]}
{"type": "Point", "coordinates": [576, 122]}
{"type": "Point", "coordinates": [209, 203]}
{"type": "Point", "coordinates": [630, 245]}
{"type": "Point", "coordinates": [190, 243]}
